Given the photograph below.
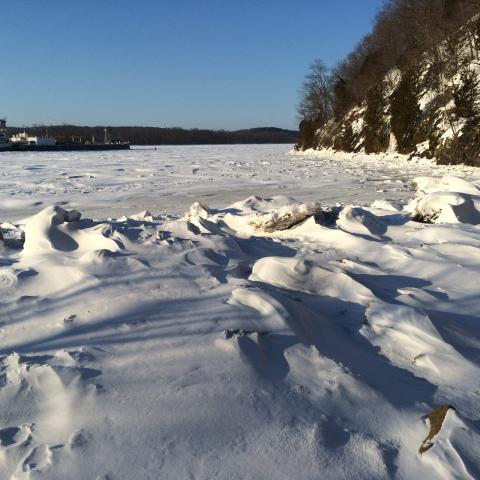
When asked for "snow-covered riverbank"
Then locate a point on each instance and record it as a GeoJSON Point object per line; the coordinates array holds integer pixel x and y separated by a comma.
{"type": "Point", "coordinates": [258, 338]}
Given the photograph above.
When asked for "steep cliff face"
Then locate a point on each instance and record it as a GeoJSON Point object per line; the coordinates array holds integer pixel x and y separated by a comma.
{"type": "Point", "coordinates": [430, 108]}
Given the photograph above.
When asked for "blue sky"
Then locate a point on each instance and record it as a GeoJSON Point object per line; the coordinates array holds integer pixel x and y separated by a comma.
{"type": "Point", "coordinates": [190, 63]}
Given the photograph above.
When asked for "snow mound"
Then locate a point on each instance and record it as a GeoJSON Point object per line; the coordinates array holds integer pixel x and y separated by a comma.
{"type": "Point", "coordinates": [360, 221]}
{"type": "Point", "coordinates": [197, 210]}
{"type": "Point", "coordinates": [57, 230]}
{"type": "Point", "coordinates": [447, 183]}
{"type": "Point", "coordinates": [385, 205]}
{"type": "Point", "coordinates": [305, 276]}
{"type": "Point", "coordinates": [284, 218]}
{"type": "Point", "coordinates": [408, 339]}
{"type": "Point", "coordinates": [258, 204]}
{"type": "Point", "coordinates": [446, 207]}
{"type": "Point", "coordinates": [257, 216]}
{"type": "Point", "coordinates": [446, 200]}
{"type": "Point", "coordinates": [272, 313]}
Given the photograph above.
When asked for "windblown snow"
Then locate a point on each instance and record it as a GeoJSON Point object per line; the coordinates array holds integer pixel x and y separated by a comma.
{"type": "Point", "coordinates": [305, 323]}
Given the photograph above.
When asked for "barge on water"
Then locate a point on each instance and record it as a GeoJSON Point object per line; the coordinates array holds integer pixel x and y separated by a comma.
{"type": "Point", "coordinates": [22, 142]}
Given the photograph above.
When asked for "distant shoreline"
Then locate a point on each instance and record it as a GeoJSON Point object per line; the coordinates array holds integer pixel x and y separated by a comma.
{"type": "Point", "coordinates": [157, 136]}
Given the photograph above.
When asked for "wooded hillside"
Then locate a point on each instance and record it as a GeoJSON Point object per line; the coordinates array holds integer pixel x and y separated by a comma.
{"type": "Point", "coordinates": [411, 85]}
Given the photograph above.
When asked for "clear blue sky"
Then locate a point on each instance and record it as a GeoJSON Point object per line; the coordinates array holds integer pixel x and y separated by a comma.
{"type": "Point", "coordinates": [191, 63]}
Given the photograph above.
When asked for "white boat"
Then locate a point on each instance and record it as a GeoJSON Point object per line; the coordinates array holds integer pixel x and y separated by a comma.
{"type": "Point", "coordinates": [4, 138]}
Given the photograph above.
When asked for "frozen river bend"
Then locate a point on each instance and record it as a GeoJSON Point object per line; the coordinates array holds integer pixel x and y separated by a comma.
{"type": "Point", "coordinates": [334, 335]}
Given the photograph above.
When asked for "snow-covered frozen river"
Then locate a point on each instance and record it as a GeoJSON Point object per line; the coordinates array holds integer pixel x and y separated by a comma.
{"type": "Point", "coordinates": [263, 337]}
{"type": "Point", "coordinates": [168, 179]}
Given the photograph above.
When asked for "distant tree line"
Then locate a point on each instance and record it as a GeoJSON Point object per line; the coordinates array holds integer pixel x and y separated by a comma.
{"type": "Point", "coordinates": [162, 136]}
{"type": "Point", "coordinates": [403, 31]}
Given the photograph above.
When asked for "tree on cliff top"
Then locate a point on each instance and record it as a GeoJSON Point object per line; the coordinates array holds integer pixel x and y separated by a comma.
{"type": "Point", "coordinates": [316, 95]}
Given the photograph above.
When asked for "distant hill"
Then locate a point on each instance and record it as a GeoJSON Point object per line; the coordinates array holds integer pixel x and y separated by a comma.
{"type": "Point", "coordinates": [164, 136]}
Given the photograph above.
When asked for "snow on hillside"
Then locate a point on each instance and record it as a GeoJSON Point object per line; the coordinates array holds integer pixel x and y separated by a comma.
{"type": "Point", "coordinates": [269, 337]}
{"type": "Point", "coordinates": [428, 108]}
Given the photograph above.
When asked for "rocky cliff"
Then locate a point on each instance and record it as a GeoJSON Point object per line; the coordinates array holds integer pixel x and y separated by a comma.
{"type": "Point", "coordinates": [428, 108]}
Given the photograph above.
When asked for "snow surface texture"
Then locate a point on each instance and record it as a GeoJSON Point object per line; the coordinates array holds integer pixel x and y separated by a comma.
{"type": "Point", "coordinates": [169, 179]}
{"type": "Point", "coordinates": [270, 338]}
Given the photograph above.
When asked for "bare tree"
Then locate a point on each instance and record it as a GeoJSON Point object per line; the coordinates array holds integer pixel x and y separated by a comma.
{"type": "Point", "coordinates": [316, 94]}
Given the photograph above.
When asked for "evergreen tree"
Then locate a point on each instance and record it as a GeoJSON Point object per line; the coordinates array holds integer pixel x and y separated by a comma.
{"type": "Point", "coordinates": [375, 131]}
{"type": "Point", "coordinates": [405, 112]}
{"type": "Point", "coordinates": [465, 97]}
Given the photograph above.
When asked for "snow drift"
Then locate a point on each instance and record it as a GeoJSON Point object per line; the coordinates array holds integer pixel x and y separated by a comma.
{"type": "Point", "coordinates": [259, 339]}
